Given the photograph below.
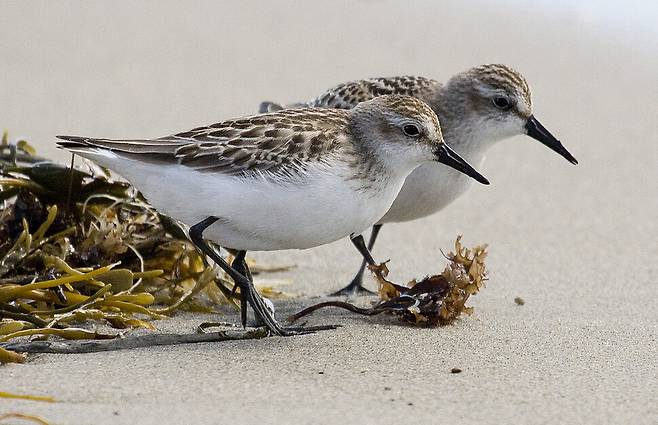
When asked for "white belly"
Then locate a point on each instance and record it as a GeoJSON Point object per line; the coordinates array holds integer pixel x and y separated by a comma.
{"type": "Point", "coordinates": [260, 215]}
{"type": "Point", "coordinates": [428, 189]}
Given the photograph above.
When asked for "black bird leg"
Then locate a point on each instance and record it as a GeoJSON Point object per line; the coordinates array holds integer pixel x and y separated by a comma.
{"type": "Point", "coordinates": [356, 285]}
{"type": "Point", "coordinates": [241, 281]}
{"type": "Point", "coordinates": [248, 293]}
{"type": "Point", "coordinates": [240, 265]}
{"type": "Point", "coordinates": [360, 245]}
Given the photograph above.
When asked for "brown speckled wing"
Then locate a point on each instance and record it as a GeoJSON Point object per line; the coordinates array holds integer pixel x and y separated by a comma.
{"type": "Point", "coordinates": [348, 95]}
{"type": "Point", "coordinates": [282, 141]}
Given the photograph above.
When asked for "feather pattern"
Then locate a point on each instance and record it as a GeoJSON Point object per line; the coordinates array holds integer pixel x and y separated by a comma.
{"type": "Point", "coordinates": [272, 143]}
{"type": "Point", "coordinates": [348, 95]}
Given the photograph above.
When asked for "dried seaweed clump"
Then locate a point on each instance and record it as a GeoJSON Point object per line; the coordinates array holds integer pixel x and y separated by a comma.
{"type": "Point", "coordinates": [434, 300]}
{"type": "Point", "coordinates": [466, 274]}
{"type": "Point", "coordinates": [438, 299]}
{"type": "Point", "coordinates": [78, 248]}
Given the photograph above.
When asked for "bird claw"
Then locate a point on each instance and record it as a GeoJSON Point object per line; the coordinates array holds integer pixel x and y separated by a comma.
{"type": "Point", "coordinates": [353, 289]}
{"type": "Point", "coordinates": [264, 312]}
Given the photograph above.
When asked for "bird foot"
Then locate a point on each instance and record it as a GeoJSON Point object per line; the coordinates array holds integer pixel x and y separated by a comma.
{"type": "Point", "coordinates": [355, 288]}
{"type": "Point", "coordinates": [264, 312]}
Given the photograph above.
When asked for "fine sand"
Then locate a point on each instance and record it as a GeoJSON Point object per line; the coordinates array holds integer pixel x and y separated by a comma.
{"type": "Point", "coordinates": [577, 243]}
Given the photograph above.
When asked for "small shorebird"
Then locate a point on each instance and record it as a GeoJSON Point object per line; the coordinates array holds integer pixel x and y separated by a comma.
{"type": "Point", "coordinates": [478, 108]}
{"type": "Point", "coordinates": [291, 179]}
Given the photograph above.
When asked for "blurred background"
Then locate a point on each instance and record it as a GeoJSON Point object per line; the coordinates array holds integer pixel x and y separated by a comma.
{"type": "Point", "coordinates": [150, 68]}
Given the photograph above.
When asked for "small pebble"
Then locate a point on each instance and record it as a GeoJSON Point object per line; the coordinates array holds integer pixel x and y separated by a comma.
{"type": "Point", "coordinates": [519, 301]}
{"type": "Point", "coordinates": [455, 370]}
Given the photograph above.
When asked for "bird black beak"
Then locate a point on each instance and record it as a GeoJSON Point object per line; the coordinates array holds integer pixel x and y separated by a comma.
{"type": "Point", "coordinates": [447, 156]}
{"type": "Point", "coordinates": [539, 132]}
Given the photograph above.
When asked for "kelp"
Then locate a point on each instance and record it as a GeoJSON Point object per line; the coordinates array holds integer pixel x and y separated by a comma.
{"type": "Point", "coordinates": [79, 248]}
{"type": "Point", "coordinates": [24, 417]}
{"type": "Point", "coordinates": [46, 399]}
{"type": "Point", "coordinates": [130, 342]}
{"type": "Point", "coordinates": [8, 356]}
{"type": "Point", "coordinates": [434, 300]}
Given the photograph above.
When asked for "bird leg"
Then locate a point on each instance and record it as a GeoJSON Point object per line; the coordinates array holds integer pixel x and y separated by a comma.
{"type": "Point", "coordinates": [240, 265]}
{"type": "Point", "coordinates": [242, 278]}
{"type": "Point", "coordinates": [356, 287]}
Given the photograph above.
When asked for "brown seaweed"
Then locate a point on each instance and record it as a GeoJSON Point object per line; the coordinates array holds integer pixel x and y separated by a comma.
{"type": "Point", "coordinates": [434, 300]}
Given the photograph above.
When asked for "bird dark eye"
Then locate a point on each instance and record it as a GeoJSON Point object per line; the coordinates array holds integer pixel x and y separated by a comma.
{"type": "Point", "coordinates": [502, 103]}
{"type": "Point", "coordinates": [411, 130]}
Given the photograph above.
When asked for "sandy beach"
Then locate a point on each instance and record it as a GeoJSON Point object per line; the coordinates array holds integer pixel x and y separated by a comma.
{"type": "Point", "coordinates": [578, 244]}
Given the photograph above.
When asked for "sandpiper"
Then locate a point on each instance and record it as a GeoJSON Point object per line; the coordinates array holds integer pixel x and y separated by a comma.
{"type": "Point", "coordinates": [291, 179]}
{"type": "Point", "coordinates": [478, 108]}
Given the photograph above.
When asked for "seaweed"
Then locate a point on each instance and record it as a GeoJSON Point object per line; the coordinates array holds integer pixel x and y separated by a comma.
{"type": "Point", "coordinates": [434, 300]}
{"type": "Point", "coordinates": [24, 417]}
{"type": "Point", "coordinates": [47, 399]}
